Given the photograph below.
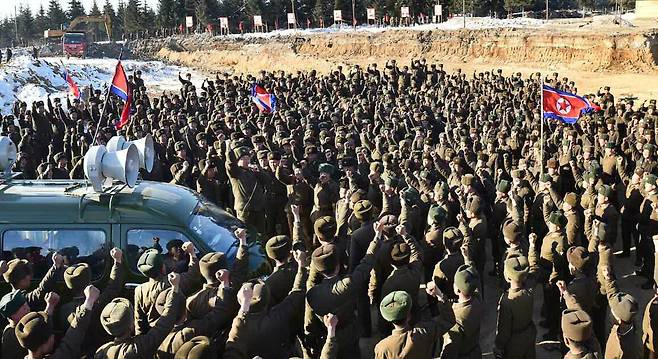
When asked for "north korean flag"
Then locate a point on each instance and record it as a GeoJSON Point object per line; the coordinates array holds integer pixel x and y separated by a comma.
{"type": "Point", "coordinates": [73, 87]}
{"type": "Point", "coordinates": [265, 101]}
{"type": "Point", "coordinates": [121, 88]}
{"type": "Point", "coordinates": [564, 106]}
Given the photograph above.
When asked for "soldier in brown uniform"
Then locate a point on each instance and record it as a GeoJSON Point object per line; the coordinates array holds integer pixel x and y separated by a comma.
{"type": "Point", "coordinates": [325, 193]}
{"type": "Point", "coordinates": [209, 264]}
{"type": "Point", "coordinates": [335, 294]}
{"type": "Point", "coordinates": [18, 273]}
{"type": "Point", "coordinates": [151, 265]}
{"type": "Point", "coordinates": [117, 320]}
{"type": "Point", "coordinates": [630, 212]}
{"type": "Point", "coordinates": [408, 340]}
{"type": "Point", "coordinates": [77, 278]}
{"type": "Point", "coordinates": [463, 339]}
{"type": "Point", "coordinates": [607, 212]}
{"type": "Point", "coordinates": [623, 341]}
{"type": "Point", "coordinates": [444, 271]}
{"type": "Point", "coordinates": [35, 334]}
{"type": "Point", "coordinates": [648, 227]}
{"type": "Point", "coordinates": [248, 188]}
{"type": "Point", "coordinates": [578, 336]}
{"type": "Point", "coordinates": [515, 328]}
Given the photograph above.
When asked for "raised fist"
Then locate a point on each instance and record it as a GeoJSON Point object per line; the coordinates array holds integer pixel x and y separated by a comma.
{"type": "Point", "coordinates": [58, 260]}
{"type": "Point", "coordinates": [116, 254]}
{"type": "Point", "coordinates": [92, 293]}
{"type": "Point", "coordinates": [188, 247]}
{"type": "Point", "coordinates": [223, 275]}
{"type": "Point", "coordinates": [241, 233]}
{"type": "Point", "coordinates": [52, 299]}
{"type": "Point", "coordinates": [174, 279]}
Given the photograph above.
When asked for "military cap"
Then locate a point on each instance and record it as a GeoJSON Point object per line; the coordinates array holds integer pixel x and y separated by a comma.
{"type": "Point", "coordinates": [77, 276]}
{"type": "Point", "coordinates": [517, 173]}
{"type": "Point", "coordinates": [545, 178]}
{"type": "Point", "coordinates": [161, 302]}
{"type": "Point", "coordinates": [180, 145]}
{"type": "Point", "coordinates": [400, 253]}
{"type": "Point", "coordinates": [262, 154]}
{"type": "Point", "coordinates": [516, 268]}
{"type": "Point", "coordinates": [196, 348]}
{"type": "Point", "coordinates": [325, 258]}
{"type": "Point", "coordinates": [395, 306]}
{"type": "Point", "coordinates": [117, 317]}
{"type": "Point", "coordinates": [441, 189]}
{"type": "Point", "coordinates": [623, 307]}
{"type": "Point", "coordinates": [475, 205]}
{"type": "Point", "coordinates": [326, 168]}
{"type": "Point", "coordinates": [376, 167]}
{"type": "Point", "coordinates": [150, 263]}
{"type": "Point", "coordinates": [210, 263]}
{"type": "Point", "coordinates": [503, 186]}
{"type": "Point", "coordinates": [649, 147]}
{"type": "Point", "coordinates": [576, 325]}
{"type": "Point", "coordinates": [605, 190]}
{"type": "Point", "coordinates": [348, 161]}
{"type": "Point", "coordinates": [512, 231]}
{"type": "Point", "coordinates": [411, 195]}
{"type": "Point", "coordinates": [17, 269]}
{"type": "Point", "coordinates": [358, 195]}
{"type": "Point", "coordinates": [325, 228]}
{"type": "Point", "coordinates": [33, 330]}
{"type": "Point", "coordinates": [59, 156]}
{"type": "Point", "coordinates": [363, 209]}
{"type": "Point", "coordinates": [278, 247]}
{"type": "Point", "coordinates": [610, 144]}
{"type": "Point", "coordinates": [436, 214]}
{"type": "Point", "coordinates": [241, 152]}
{"type": "Point", "coordinates": [551, 163]}
{"type": "Point", "coordinates": [391, 181]}
{"type": "Point", "coordinates": [258, 139]}
{"type": "Point", "coordinates": [557, 218]}
{"type": "Point", "coordinates": [578, 257]}
{"type": "Point", "coordinates": [468, 180]}
{"type": "Point", "coordinates": [571, 199]}
{"type": "Point", "coordinates": [452, 238]}
{"type": "Point", "coordinates": [11, 302]}
{"type": "Point", "coordinates": [466, 279]}
{"type": "Point", "coordinates": [174, 243]}
{"type": "Point", "coordinates": [651, 179]}
{"type": "Point", "coordinates": [274, 156]}
{"type": "Point", "coordinates": [311, 150]}
{"type": "Point", "coordinates": [200, 136]}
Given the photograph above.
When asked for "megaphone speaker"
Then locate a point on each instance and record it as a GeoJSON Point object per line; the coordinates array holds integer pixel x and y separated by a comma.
{"type": "Point", "coordinates": [122, 165]}
{"type": "Point", "coordinates": [7, 154]}
{"type": "Point", "coordinates": [146, 152]}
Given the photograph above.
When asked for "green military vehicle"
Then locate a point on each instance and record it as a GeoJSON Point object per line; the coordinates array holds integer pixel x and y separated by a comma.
{"type": "Point", "coordinates": [84, 219]}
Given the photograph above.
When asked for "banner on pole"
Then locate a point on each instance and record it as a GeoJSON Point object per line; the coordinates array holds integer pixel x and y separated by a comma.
{"type": "Point", "coordinates": [338, 15]}
{"type": "Point", "coordinates": [189, 21]}
{"type": "Point", "coordinates": [371, 14]}
{"type": "Point", "coordinates": [404, 11]}
{"type": "Point", "coordinates": [223, 22]}
{"type": "Point", "coordinates": [258, 20]}
{"type": "Point", "coordinates": [291, 18]}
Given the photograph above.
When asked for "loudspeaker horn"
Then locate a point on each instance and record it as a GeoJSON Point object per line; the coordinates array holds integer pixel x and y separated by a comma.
{"type": "Point", "coordinates": [7, 154]}
{"type": "Point", "coordinates": [103, 166]}
{"type": "Point", "coordinates": [144, 147]}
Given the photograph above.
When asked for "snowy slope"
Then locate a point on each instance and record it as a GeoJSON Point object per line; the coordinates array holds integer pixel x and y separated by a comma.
{"type": "Point", "coordinates": [30, 80]}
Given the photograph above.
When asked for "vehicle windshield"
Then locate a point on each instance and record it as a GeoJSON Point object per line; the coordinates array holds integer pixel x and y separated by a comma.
{"type": "Point", "coordinates": [214, 226]}
{"type": "Point", "coordinates": [74, 39]}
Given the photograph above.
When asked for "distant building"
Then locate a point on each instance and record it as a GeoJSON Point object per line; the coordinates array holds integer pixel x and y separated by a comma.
{"type": "Point", "coordinates": [646, 9]}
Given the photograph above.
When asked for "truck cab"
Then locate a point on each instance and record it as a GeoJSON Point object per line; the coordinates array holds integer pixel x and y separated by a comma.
{"type": "Point", "coordinates": [74, 44]}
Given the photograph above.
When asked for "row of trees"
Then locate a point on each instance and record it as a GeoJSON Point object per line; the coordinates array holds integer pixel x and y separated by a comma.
{"type": "Point", "coordinates": [135, 16]}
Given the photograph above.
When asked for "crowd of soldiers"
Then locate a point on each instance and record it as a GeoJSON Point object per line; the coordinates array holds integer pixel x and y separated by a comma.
{"type": "Point", "coordinates": [385, 199]}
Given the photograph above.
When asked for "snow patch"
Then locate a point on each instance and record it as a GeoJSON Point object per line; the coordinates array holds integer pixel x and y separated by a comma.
{"type": "Point", "coordinates": [32, 80]}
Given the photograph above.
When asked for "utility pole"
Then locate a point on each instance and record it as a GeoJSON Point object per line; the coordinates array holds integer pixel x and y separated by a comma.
{"type": "Point", "coordinates": [353, 16]}
{"type": "Point", "coordinates": [464, 12]}
{"type": "Point", "coordinates": [546, 10]}
{"type": "Point", "coordinates": [16, 23]}
{"type": "Point", "coordinates": [292, 3]}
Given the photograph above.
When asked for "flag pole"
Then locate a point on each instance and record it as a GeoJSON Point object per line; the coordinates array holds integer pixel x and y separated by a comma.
{"type": "Point", "coordinates": [107, 98]}
{"type": "Point", "coordinates": [541, 118]}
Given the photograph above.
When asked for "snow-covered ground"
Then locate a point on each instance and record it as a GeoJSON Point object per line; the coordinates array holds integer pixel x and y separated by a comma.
{"type": "Point", "coordinates": [30, 80]}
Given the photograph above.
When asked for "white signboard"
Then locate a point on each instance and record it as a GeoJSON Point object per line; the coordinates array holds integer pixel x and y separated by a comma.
{"type": "Point", "coordinates": [189, 21]}
{"type": "Point", "coordinates": [338, 15]}
{"type": "Point", "coordinates": [291, 18]}
{"type": "Point", "coordinates": [371, 14]}
{"type": "Point", "coordinates": [404, 11]}
{"type": "Point", "coordinates": [438, 10]}
{"type": "Point", "coordinates": [258, 20]}
{"type": "Point", "coordinates": [223, 22]}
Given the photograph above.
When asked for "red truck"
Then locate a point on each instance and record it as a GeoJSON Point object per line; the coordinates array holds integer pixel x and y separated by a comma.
{"type": "Point", "coordinates": [74, 44]}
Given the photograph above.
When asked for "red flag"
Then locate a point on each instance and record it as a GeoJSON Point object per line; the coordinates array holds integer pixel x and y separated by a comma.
{"type": "Point", "coordinates": [564, 106]}
{"type": "Point", "coordinates": [120, 87]}
{"type": "Point", "coordinates": [73, 87]}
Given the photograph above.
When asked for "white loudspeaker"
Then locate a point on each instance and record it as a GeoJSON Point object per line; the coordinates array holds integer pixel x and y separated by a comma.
{"type": "Point", "coordinates": [7, 154]}
{"type": "Point", "coordinates": [144, 147]}
{"type": "Point", "coordinates": [101, 165]}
